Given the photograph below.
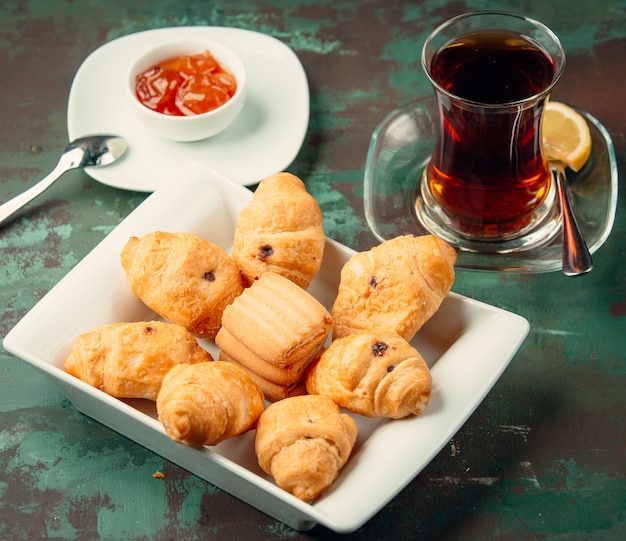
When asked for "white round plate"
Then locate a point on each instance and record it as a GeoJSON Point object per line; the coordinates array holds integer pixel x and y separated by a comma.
{"type": "Point", "coordinates": [264, 139]}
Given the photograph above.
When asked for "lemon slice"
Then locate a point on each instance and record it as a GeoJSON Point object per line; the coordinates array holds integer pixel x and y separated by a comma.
{"type": "Point", "coordinates": [565, 135]}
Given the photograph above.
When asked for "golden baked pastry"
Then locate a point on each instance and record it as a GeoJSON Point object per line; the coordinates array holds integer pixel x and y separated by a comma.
{"type": "Point", "coordinates": [394, 287]}
{"type": "Point", "coordinates": [130, 360]}
{"type": "Point", "coordinates": [183, 278]}
{"type": "Point", "coordinates": [280, 231]}
{"type": "Point", "coordinates": [206, 403]}
{"type": "Point", "coordinates": [274, 329]}
{"type": "Point", "coordinates": [273, 391]}
{"type": "Point", "coordinates": [373, 374]}
{"type": "Point", "coordinates": [303, 442]}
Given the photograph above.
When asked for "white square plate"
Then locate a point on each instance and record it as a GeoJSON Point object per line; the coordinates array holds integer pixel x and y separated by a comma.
{"type": "Point", "coordinates": [264, 139]}
{"type": "Point", "coordinates": [468, 345]}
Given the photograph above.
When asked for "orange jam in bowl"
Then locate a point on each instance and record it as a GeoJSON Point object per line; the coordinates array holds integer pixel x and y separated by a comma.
{"type": "Point", "coordinates": [187, 90]}
{"type": "Point", "coordinates": [185, 85]}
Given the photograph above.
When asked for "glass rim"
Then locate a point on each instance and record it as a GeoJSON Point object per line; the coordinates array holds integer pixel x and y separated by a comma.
{"type": "Point", "coordinates": [505, 14]}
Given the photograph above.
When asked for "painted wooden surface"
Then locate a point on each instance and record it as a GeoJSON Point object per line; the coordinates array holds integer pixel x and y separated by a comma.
{"type": "Point", "coordinates": [542, 457]}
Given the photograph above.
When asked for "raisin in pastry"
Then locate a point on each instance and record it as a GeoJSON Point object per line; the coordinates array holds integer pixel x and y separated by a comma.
{"type": "Point", "coordinates": [373, 374]}
{"type": "Point", "coordinates": [280, 231]}
{"type": "Point", "coordinates": [396, 286]}
{"type": "Point", "coordinates": [130, 360]}
{"type": "Point", "coordinates": [183, 278]}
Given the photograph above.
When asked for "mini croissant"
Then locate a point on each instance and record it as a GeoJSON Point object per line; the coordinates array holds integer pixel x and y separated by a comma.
{"type": "Point", "coordinates": [183, 278]}
{"type": "Point", "coordinates": [206, 403]}
{"type": "Point", "coordinates": [303, 442]}
{"type": "Point", "coordinates": [130, 360]}
{"type": "Point", "coordinates": [396, 286]}
{"type": "Point", "coordinates": [280, 231]}
{"type": "Point", "coordinates": [375, 375]}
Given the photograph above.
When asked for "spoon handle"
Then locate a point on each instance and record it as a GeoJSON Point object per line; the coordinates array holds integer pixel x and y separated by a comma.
{"type": "Point", "coordinates": [13, 205]}
{"type": "Point", "coordinates": [576, 256]}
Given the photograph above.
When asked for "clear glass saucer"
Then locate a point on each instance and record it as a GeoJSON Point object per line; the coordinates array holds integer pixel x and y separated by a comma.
{"type": "Point", "coordinates": [399, 150]}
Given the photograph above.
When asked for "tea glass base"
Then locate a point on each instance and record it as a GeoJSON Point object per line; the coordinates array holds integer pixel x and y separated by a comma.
{"type": "Point", "coordinates": [541, 228]}
{"type": "Point", "coordinates": [399, 151]}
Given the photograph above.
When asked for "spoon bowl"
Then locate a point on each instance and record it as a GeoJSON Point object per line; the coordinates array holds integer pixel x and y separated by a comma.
{"type": "Point", "coordinates": [90, 151]}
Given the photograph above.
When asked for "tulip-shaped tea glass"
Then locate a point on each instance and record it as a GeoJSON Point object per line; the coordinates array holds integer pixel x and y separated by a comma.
{"type": "Point", "coordinates": [487, 186]}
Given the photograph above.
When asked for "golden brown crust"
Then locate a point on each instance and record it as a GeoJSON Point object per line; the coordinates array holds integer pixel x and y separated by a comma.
{"type": "Point", "coordinates": [206, 403]}
{"type": "Point", "coordinates": [278, 321]}
{"type": "Point", "coordinates": [373, 374]}
{"type": "Point", "coordinates": [394, 287]}
{"type": "Point", "coordinates": [303, 442]}
{"type": "Point", "coordinates": [283, 376]}
{"type": "Point", "coordinates": [183, 278]}
{"type": "Point", "coordinates": [130, 360]}
{"type": "Point", "coordinates": [273, 391]}
{"type": "Point", "coordinates": [280, 231]}
{"type": "Point", "coordinates": [274, 329]}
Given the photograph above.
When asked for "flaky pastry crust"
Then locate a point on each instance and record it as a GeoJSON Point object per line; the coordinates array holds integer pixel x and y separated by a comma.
{"type": "Point", "coordinates": [206, 403]}
{"type": "Point", "coordinates": [396, 286]}
{"type": "Point", "coordinates": [373, 374]}
{"type": "Point", "coordinates": [280, 231]}
{"type": "Point", "coordinates": [130, 360]}
{"type": "Point", "coordinates": [182, 277]}
{"type": "Point", "coordinates": [303, 442]}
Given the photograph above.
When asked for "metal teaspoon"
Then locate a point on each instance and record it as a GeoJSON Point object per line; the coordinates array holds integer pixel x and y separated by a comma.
{"type": "Point", "coordinates": [91, 151]}
{"type": "Point", "coordinates": [576, 256]}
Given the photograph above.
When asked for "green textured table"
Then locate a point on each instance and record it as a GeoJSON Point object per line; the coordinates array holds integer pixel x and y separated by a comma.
{"type": "Point", "coordinates": [543, 457]}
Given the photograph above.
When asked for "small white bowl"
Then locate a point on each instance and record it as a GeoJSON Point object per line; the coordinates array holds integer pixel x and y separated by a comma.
{"type": "Point", "coordinates": [191, 127]}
